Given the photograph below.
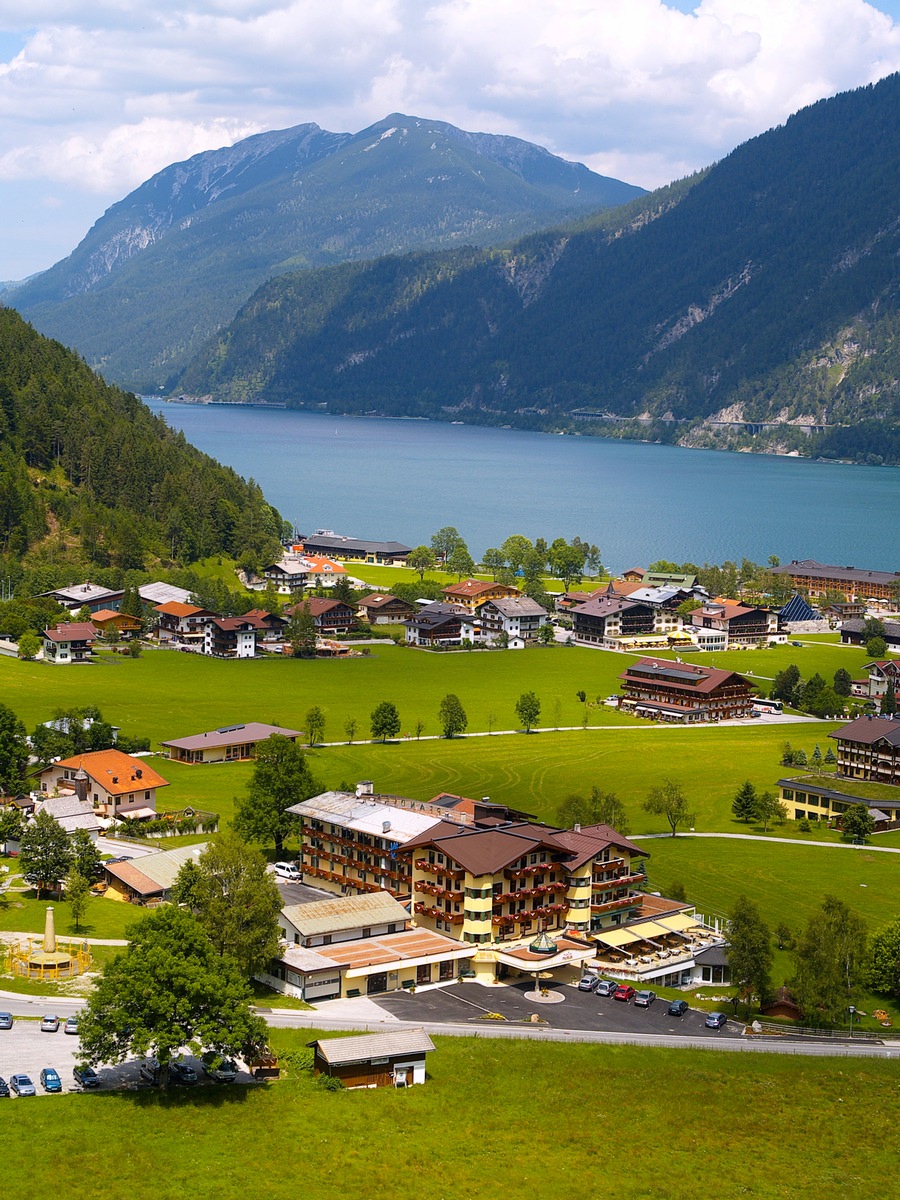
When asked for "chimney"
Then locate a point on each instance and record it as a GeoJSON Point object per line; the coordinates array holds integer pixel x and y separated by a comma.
{"type": "Point", "coordinates": [365, 788]}
{"type": "Point", "coordinates": [139, 773]}
{"type": "Point", "coordinates": [577, 827]}
{"type": "Point", "coordinates": [385, 827]}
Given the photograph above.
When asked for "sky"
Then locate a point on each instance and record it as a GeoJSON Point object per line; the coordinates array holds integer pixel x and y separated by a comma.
{"type": "Point", "coordinates": [95, 98]}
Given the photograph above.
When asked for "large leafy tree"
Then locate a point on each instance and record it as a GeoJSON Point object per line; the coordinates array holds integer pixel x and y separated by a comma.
{"type": "Point", "coordinates": [599, 808]}
{"type": "Point", "coordinates": [421, 559]}
{"type": "Point", "coordinates": [301, 631]}
{"type": "Point", "coordinates": [767, 807]}
{"type": "Point", "coordinates": [749, 948]}
{"type": "Point", "coordinates": [281, 778]}
{"type": "Point", "coordinates": [460, 562]}
{"type": "Point", "coordinates": [445, 541]}
{"type": "Point", "coordinates": [857, 821]}
{"type": "Point", "coordinates": [236, 901]}
{"type": "Point", "coordinates": [45, 853]}
{"type": "Point", "coordinates": [168, 990]}
{"type": "Point", "coordinates": [13, 752]}
{"type": "Point", "coordinates": [884, 964]}
{"type": "Point", "coordinates": [385, 720]}
{"type": "Point", "coordinates": [830, 962]}
{"type": "Point", "coordinates": [452, 715]}
{"type": "Point", "coordinates": [528, 709]}
{"type": "Point", "coordinates": [669, 801]}
{"type": "Point", "coordinates": [85, 855]}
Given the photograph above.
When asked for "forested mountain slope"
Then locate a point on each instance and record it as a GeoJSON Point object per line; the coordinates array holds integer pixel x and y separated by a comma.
{"type": "Point", "coordinates": [168, 265]}
{"type": "Point", "coordinates": [89, 475]}
{"type": "Point", "coordinates": [767, 295]}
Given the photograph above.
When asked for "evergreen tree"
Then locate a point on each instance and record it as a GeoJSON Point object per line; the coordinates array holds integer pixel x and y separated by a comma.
{"type": "Point", "coordinates": [13, 752]}
{"type": "Point", "coordinates": [830, 757]}
{"type": "Point", "coordinates": [816, 759]}
{"type": "Point", "coordinates": [744, 804]}
{"type": "Point", "coordinates": [889, 701]}
{"type": "Point", "coordinates": [843, 681]}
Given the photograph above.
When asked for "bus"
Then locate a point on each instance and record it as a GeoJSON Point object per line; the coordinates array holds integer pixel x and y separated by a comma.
{"type": "Point", "coordinates": [761, 705]}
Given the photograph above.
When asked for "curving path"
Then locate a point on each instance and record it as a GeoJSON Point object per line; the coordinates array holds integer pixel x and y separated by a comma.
{"type": "Point", "coordinates": [759, 837]}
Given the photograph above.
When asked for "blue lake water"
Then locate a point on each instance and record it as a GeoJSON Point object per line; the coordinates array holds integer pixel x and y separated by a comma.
{"type": "Point", "coordinates": [402, 480]}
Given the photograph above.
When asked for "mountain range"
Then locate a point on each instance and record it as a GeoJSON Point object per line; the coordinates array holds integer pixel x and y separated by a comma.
{"type": "Point", "coordinates": [162, 270]}
{"type": "Point", "coordinates": [753, 306]}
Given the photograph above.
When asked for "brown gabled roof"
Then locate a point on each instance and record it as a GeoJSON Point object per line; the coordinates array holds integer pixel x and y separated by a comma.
{"type": "Point", "coordinates": [319, 605]}
{"type": "Point", "coordinates": [683, 677]}
{"type": "Point", "coordinates": [174, 608]}
{"type": "Point", "coordinates": [129, 874]}
{"type": "Point", "coordinates": [379, 599]}
{"type": "Point", "coordinates": [476, 587]}
{"type": "Point", "coordinates": [486, 851]}
{"type": "Point", "coordinates": [603, 605]}
{"type": "Point", "coordinates": [75, 631]}
{"type": "Point", "coordinates": [868, 730]}
{"type": "Point", "coordinates": [587, 842]}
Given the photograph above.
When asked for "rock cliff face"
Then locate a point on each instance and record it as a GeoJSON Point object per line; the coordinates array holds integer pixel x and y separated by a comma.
{"type": "Point", "coordinates": [171, 262]}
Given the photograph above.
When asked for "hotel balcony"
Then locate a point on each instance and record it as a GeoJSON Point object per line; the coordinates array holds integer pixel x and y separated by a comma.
{"type": "Point", "coordinates": [612, 905]}
{"type": "Point", "coordinates": [422, 864]}
{"type": "Point", "coordinates": [432, 889]}
{"type": "Point", "coordinates": [540, 868]}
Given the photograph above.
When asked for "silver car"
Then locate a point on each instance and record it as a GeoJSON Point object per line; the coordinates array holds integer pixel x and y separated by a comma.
{"type": "Point", "coordinates": [644, 999]}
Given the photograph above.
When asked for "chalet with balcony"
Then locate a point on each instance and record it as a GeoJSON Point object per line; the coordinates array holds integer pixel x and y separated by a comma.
{"type": "Point", "coordinates": [647, 619]}
{"type": "Point", "coordinates": [817, 578]}
{"type": "Point", "coordinates": [471, 594]}
{"type": "Point", "coordinates": [869, 749]}
{"type": "Point", "coordinates": [114, 783]}
{"type": "Point", "coordinates": [231, 637]}
{"type": "Point", "coordinates": [741, 625]}
{"type": "Point", "coordinates": [502, 881]}
{"type": "Point", "coordinates": [381, 608]}
{"type": "Point", "coordinates": [295, 572]}
{"type": "Point", "coordinates": [330, 616]}
{"type": "Point", "coordinates": [108, 621]}
{"type": "Point", "coordinates": [519, 617]}
{"type": "Point", "coordinates": [683, 692]}
{"type": "Point", "coordinates": [70, 642]}
{"type": "Point", "coordinates": [441, 625]}
{"type": "Point", "coordinates": [178, 621]}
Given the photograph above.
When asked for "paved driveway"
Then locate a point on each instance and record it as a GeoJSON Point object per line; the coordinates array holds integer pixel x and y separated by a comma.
{"type": "Point", "coordinates": [580, 1010]}
{"type": "Point", "coordinates": [300, 893]}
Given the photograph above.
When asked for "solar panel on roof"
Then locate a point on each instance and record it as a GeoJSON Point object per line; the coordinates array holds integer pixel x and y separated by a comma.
{"type": "Point", "coordinates": [230, 728]}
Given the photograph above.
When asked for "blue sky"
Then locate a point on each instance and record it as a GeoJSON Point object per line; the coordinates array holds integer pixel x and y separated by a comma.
{"type": "Point", "coordinates": [95, 99]}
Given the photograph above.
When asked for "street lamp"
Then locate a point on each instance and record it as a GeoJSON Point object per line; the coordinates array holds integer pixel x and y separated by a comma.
{"type": "Point", "coordinates": [852, 1011]}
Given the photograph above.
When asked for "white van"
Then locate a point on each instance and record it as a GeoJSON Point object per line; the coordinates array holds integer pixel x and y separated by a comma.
{"type": "Point", "coordinates": [287, 870]}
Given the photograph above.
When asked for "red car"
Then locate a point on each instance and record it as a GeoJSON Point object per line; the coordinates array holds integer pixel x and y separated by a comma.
{"type": "Point", "coordinates": [624, 992]}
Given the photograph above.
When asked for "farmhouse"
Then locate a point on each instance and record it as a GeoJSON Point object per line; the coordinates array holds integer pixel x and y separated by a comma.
{"type": "Point", "coordinates": [374, 1059]}
{"type": "Point", "coordinates": [440, 624]}
{"type": "Point", "coordinates": [679, 691]}
{"type": "Point", "coordinates": [70, 642]}
{"type": "Point", "coordinates": [231, 637]}
{"type": "Point", "coordinates": [116, 784]}
{"type": "Point", "coordinates": [180, 622]}
{"type": "Point", "coordinates": [70, 814]}
{"type": "Point", "coordinates": [470, 594]}
{"type": "Point", "coordinates": [518, 617]}
{"type": "Point", "coordinates": [330, 616]}
{"type": "Point", "coordinates": [108, 620]}
{"type": "Point", "coordinates": [645, 620]}
{"type": "Point", "coordinates": [231, 743]}
{"type": "Point", "coordinates": [379, 608]}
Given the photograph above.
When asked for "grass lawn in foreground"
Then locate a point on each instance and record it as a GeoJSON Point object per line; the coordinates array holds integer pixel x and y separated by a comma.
{"type": "Point", "coordinates": [494, 1116]}
{"type": "Point", "coordinates": [23, 913]}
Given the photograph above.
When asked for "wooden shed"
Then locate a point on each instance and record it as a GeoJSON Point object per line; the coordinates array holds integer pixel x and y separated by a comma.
{"type": "Point", "coordinates": [374, 1059]}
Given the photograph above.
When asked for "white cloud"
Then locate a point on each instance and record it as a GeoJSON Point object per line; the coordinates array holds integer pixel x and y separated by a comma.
{"type": "Point", "coordinates": [97, 98]}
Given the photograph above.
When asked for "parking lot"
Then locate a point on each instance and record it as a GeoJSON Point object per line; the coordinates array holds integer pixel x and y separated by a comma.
{"type": "Point", "coordinates": [25, 1050]}
{"type": "Point", "coordinates": [468, 1002]}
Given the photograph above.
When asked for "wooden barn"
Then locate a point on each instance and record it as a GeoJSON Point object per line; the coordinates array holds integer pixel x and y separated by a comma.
{"type": "Point", "coordinates": [374, 1059]}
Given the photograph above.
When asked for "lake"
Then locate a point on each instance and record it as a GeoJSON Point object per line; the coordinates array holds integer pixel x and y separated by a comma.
{"type": "Point", "coordinates": [401, 480]}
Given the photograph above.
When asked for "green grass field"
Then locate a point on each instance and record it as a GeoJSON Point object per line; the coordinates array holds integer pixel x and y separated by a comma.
{"type": "Point", "coordinates": [648, 1124]}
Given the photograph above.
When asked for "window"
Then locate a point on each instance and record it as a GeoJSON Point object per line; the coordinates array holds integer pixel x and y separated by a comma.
{"type": "Point", "coordinates": [326, 939]}
{"type": "Point", "coordinates": [146, 795]}
{"type": "Point", "coordinates": [367, 932]}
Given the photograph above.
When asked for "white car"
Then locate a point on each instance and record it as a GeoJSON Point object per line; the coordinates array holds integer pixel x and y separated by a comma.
{"type": "Point", "coordinates": [288, 870]}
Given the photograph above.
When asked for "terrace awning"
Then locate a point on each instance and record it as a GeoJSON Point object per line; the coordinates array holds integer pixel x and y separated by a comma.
{"type": "Point", "coordinates": [138, 814]}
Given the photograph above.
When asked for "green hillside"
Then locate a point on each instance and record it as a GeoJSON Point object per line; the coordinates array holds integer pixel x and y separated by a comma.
{"type": "Point", "coordinates": [768, 293]}
{"type": "Point", "coordinates": [174, 260]}
{"type": "Point", "coordinates": [89, 477]}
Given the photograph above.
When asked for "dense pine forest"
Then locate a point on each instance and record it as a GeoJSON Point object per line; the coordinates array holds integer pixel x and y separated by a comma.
{"type": "Point", "coordinates": [91, 479]}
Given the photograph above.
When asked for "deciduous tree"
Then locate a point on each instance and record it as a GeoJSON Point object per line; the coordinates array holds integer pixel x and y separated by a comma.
{"type": "Point", "coordinates": [884, 964]}
{"type": "Point", "coordinates": [749, 948]}
{"type": "Point", "coordinates": [857, 821]}
{"type": "Point", "coordinates": [445, 541]}
{"type": "Point", "coordinates": [168, 989]}
{"type": "Point", "coordinates": [452, 716]}
{"type": "Point", "coordinates": [460, 562]}
{"type": "Point", "coordinates": [385, 721]}
{"type": "Point", "coordinates": [528, 709]}
{"type": "Point", "coordinates": [599, 808]}
{"type": "Point", "coordinates": [85, 855]}
{"type": "Point", "coordinates": [769, 808]}
{"type": "Point", "coordinates": [669, 801]}
{"type": "Point", "coordinates": [281, 778]}
{"type": "Point", "coordinates": [315, 725]}
{"type": "Point", "coordinates": [78, 895]}
{"type": "Point", "coordinates": [830, 961]}
{"type": "Point", "coordinates": [421, 559]}
{"type": "Point", "coordinates": [44, 853]}
{"type": "Point", "coordinates": [301, 631]}
{"type": "Point", "coordinates": [29, 645]}
{"type": "Point", "coordinates": [350, 726]}
{"type": "Point", "coordinates": [13, 752]}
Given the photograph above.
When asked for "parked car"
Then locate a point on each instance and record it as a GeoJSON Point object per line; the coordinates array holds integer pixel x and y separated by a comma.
{"type": "Point", "coordinates": [22, 1085]}
{"type": "Point", "coordinates": [644, 999]}
{"type": "Point", "coordinates": [677, 1008]}
{"type": "Point", "coordinates": [587, 983]}
{"type": "Point", "coordinates": [4, 1088]}
{"type": "Point", "coordinates": [222, 1070]}
{"type": "Point", "coordinates": [288, 870]}
{"type": "Point", "coordinates": [715, 1020]}
{"type": "Point", "coordinates": [182, 1072]}
{"type": "Point", "coordinates": [49, 1023]}
{"type": "Point", "coordinates": [50, 1080]}
{"type": "Point", "coordinates": [624, 992]}
{"type": "Point", "coordinates": [71, 1025]}
{"type": "Point", "coordinates": [606, 987]}
{"type": "Point", "coordinates": [86, 1077]}
{"type": "Point", "coordinates": [6, 1021]}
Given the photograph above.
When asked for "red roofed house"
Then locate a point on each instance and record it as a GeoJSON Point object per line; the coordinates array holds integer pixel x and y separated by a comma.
{"type": "Point", "coordinates": [69, 642]}
{"type": "Point", "coordinates": [676, 691]}
{"type": "Point", "coordinates": [472, 593]}
{"type": "Point", "coordinates": [117, 784]}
